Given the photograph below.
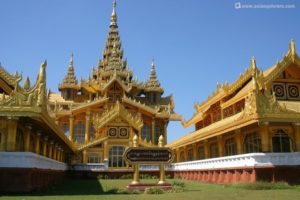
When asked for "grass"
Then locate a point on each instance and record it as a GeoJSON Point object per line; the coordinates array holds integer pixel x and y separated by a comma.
{"type": "Point", "coordinates": [114, 189]}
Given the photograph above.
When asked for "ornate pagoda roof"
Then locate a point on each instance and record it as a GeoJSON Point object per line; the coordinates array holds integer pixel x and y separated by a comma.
{"type": "Point", "coordinates": [70, 80]}
{"type": "Point", "coordinates": [113, 57]}
{"type": "Point", "coordinates": [11, 80]}
{"type": "Point", "coordinates": [153, 83]}
{"type": "Point", "coordinates": [231, 93]}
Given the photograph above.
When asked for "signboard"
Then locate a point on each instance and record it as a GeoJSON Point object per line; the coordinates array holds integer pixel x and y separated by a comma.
{"type": "Point", "coordinates": [151, 155]}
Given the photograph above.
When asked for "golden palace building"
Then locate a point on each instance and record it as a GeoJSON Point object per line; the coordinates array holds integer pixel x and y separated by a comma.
{"type": "Point", "coordinates": [85, 127]}
{"type": "Point", "coordinates": [245, 131]}
{"type": "Point", "coordinates": [248, 130]}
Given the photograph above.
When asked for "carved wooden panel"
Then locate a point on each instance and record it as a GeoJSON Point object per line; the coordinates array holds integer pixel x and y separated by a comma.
{"type": "Point", "coordinates": [292, 91]}
{"type": "Point", "coordinates": [279, 89]}
{"type": "Point", "coordinates": [199, 125]}
{"type": "Point", "coordinates": [123, 132]}
{"type": "Point", "coordinates": [207, 120]}
{"type": "Point", "coordinates": [227, 112]}
{"type": "Point", "coordinates": [118, 132]}
{"type": "Point", "coordinates": [239, 106]}
{"type": "Point", "coordinates": [112, 132]}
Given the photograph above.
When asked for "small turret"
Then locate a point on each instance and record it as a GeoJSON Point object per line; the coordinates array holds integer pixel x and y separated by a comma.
{"type": "Point", "coordinates": [152, 88]}
{"type": "Point", "coordinates": [69, 87]}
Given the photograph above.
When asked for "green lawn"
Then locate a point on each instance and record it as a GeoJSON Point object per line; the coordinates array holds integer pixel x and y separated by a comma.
{"type": "Point", "coordinates": [105, 189]}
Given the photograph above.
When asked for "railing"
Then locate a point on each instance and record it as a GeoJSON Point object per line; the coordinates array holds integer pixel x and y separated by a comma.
{"type": "Point", "coordinates": [90, 167]}
{"type": "Point", "coordinates": [149, 167]}
{"type": "Point", "coordinates": [29, 160]}
{"type": "Point", "coordinates": [32, 160]}
{"type": "Point", "coordinates": [241, 161]}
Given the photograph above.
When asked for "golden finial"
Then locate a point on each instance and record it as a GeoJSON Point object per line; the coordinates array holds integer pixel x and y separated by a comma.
{"type": "Point", "coordinates": [152, 70]}
{"type": "Point", "coordinates": [292, 47]}
{"type": "Point", "coordinates": [113, 21]}
{"type": "Point", "coordinates": [253, 63]}
{"type": "Point", "coordinates": [71, 63]}
{"type": "Point", "coordinates": [152, 63]}
{"type": "Point", "coordinates": [114, 7]}
{"type": "Point", "coordinates": [72, 60]}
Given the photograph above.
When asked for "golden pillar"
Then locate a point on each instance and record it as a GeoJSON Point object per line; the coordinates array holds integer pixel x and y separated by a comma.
{"type": "Point", "coordinates": [153, 131]}
{"type": "Point", "coordinates": [3, 142]}
{"type": "Point", "coordinates": [61, 155]}
{"type": "Point", "coordinates": [45, 146]}
{"type": "Point", "coordinates": [239, 142]}
{"type": "Point", "coordinates": [194, 151]}
{"type": "Point", "coordinates": [51, 150]}
{"type": "Point", "coordinates": [297, 136]}
{"type": "Point", "coordinates": [105, 151]}
{"type": "Point", "coordinates": [55, 151]}
{"type": "Point", "coordinates": [264, 135]}
{"type": "Point", "coordinates": [220, 146]}
{"type": "Point", "coordinates": [165, 132]}
{"type": "Point", "coordinates": [206, 149]}
{"type": "Point", "coordinates": [162, 175]}
{"type": "Point", "coordinates": [27, 137]}
{"type": "Point", "coordinates": [58, 154]}
{"type": "Point", "coordinates": [177, 155]}
{"type": "Point", "coordinates": [136, 172]}
{"type": "Point", "coordinates": [185, 153]}
{"type": "Point", "coordinates": [87, 127]}
{"type": "Point", "coordinates": [71, 128]}
{"type": "Point", "coordinates": [84, 156]}
{"type": "Point", "coordinates": [37, 143]}
{"type": "Point", "coordinates": [11, 134]}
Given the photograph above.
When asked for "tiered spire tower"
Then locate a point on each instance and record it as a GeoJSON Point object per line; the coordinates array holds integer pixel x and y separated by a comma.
{"type": "Point", "coordinates": [112, 59]}
{"type": "Point", "coordinates": [70, 78]}
{"type": "Point", "coordinates": [153, 83]}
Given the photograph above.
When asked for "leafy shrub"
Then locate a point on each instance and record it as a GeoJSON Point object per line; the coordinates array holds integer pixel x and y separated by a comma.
{"type": "Point", "coordinates": [147, 176]}
{"type": "Point", "coordinates": [135, 192]}
{"type": "Point", "coordinates": [168, 176]}
{"type": "Point", "coordinates": [154, 190]}
{"type": "Point", "coordinates": [106, 176]}
{"type": "Point", "coordinates": [100, 176]}
{"type": "Point", "coordinates": [179, 184]}
{"type": "Point", "coordinates": [113, 191]}
{"type": "Point", "coordinates": [264, 186]}
{"type": "Point", "coordinates": [176, 189]}
{"type": "Point", "coordinates": [126, 176]}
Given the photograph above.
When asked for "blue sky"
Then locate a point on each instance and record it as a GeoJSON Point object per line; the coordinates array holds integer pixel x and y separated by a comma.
{"type": "Point", "coordinates": [195, 44]}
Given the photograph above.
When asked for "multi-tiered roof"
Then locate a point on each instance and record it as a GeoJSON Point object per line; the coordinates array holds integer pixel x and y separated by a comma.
{"type": "Point", "coordinates": [113, 68]}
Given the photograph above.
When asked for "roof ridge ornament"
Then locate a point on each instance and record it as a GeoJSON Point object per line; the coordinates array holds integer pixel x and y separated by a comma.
{"type": "Point", "coordinates": [254, 74]}
{"type": "Point", "coordinates": [253, 63]}
{"type": "Point", "coordinates": [292, 47]}
{"type": "Point", "coordinates": [27, 83]}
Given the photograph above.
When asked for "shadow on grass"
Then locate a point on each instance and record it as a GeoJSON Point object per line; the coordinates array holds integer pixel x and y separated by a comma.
{"type": "Point", "coordinates": [71, 187]}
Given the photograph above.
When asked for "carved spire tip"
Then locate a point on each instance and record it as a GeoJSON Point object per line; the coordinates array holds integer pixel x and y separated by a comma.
{"type": "Point", "coordinates": [253, 63]}
{"type": "Point", "coordinates": [72, 60]}
{"type": "Point", "coordinates": [152, 64]}
{"type": "Point", "coordinates": [292, 46]}
{"type": "Point", "coordinates": [113, 21]}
